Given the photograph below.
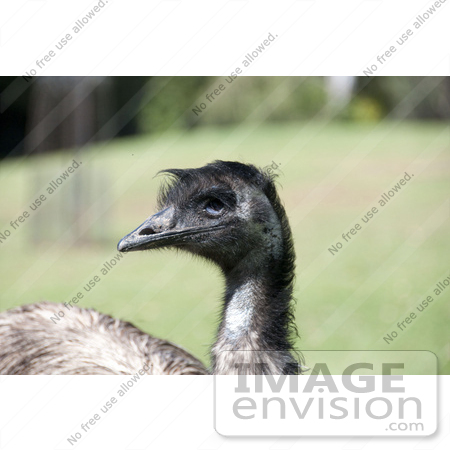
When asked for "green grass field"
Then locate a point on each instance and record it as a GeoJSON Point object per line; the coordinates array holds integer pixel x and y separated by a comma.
{"type": "Point", "coordinates": [330, 175]}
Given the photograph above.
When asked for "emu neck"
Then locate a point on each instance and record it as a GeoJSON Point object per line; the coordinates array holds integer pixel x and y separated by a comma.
{"type": "Point", "coordinates": [256, 319]}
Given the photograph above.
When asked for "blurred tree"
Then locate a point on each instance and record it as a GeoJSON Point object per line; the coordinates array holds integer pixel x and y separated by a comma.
{"type": "Point", "coordinates": [166, 101]}
{"type": "Point", "coordinates": [388, 92]}
{"type": "Point", "coordinates": [169, 102]}
{"type": "Point", "coordinates": [127, 105]}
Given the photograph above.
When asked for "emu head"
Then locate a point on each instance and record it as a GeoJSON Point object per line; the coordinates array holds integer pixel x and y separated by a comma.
{"type": "Point", "coordinates": [222, 211]}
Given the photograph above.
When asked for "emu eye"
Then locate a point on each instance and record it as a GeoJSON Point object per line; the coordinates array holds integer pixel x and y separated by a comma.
{"type": "Point", "coordinates": [214, 207]}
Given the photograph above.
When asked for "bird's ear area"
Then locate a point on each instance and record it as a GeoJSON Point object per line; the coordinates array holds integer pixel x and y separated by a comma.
{"type": "Point", "coordinates": [223, 195]}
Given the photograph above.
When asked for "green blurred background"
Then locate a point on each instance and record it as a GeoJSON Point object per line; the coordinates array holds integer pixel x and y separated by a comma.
{"type": "Point", "coordinates": [339, 144]}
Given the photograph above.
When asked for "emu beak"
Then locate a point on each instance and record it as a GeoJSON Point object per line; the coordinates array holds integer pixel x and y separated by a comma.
{"type": "Point", "coordinates": [160, 230]}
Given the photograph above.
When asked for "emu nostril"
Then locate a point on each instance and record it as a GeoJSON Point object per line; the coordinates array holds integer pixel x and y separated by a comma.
{"type": "Point", "coordinates": [146, 232]}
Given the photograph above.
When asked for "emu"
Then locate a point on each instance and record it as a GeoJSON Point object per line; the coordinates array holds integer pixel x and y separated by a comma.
{"type": "Point", "coordinates": [226, 212]}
